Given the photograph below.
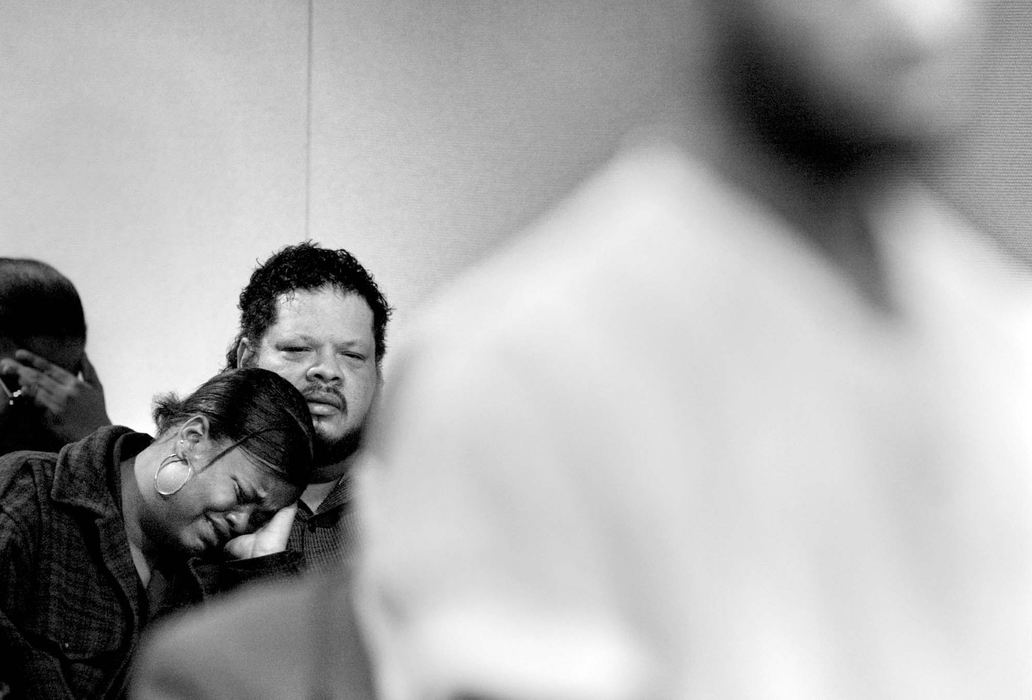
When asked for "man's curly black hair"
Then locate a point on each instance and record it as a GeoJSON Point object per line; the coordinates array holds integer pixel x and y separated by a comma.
{"type": "Point", "coordinates": [306, 266]}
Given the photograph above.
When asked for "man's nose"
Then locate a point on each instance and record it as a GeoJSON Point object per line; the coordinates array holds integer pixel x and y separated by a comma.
{"type": "Point", "coordinates": [326, 367]}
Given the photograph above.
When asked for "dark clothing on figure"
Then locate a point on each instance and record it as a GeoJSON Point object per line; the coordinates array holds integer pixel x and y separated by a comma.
{"type": "Point", "coordinates": [22, 428]}
{"type": "Point", "coordinates": [71, 601]}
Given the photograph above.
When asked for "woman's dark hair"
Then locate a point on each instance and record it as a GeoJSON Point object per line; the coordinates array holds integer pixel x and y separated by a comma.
{"type": "Point", "coordinates": [37, 300]}
{"type": "Point", "coordinates": [258, 411]}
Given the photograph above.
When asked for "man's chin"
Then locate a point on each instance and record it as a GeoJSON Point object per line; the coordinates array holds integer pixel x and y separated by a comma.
{"type": "Point", "coordinates": [330, 449]}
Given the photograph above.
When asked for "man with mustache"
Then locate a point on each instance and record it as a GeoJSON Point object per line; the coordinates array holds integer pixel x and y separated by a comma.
{"type": "Point", "coordinates": [316, 317]}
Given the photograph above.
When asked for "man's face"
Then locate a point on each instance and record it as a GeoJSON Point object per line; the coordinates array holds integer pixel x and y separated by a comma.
{"type": "Point", "coordinates": [882, 72]}
{"type": "Point", "coordinates": [322, 342]}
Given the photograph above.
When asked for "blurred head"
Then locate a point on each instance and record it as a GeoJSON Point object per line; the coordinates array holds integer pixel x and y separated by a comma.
{"type": "Point", "coordinates": [238, 449]}
{"type": "Point", "coordinates": [317, 318]}
{"type": "Point", "coordinates": [850, 75]}
{"type": "Point", "coordinates": [40, 311]}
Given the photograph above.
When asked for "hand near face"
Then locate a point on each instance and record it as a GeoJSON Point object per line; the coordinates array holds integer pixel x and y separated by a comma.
{"type": "Point", "coordinates": [268, 539]}
{"type": "Point", "coordinates": [73, 406]}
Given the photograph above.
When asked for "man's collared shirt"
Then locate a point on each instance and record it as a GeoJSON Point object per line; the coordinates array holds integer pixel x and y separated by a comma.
{"type": "Point", "coordinates": [327, 536]}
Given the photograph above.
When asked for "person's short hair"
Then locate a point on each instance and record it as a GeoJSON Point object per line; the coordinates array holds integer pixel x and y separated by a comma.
{"type": "Point", "coordinates": [255, 409]}
{"type": "Point", "coordinates": [306, 266]}
{"type": "Point", "coordinates": [37, 300]}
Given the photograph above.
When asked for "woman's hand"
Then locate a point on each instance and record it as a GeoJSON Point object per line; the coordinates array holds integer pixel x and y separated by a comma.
{"type": "Point", "coordinates": [268, 539]}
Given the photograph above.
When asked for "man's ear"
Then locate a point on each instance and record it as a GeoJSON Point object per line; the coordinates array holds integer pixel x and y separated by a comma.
{"type": "Point", "coordinates": [245, 352]}
{"type": "Point", "coordinates": [192, 434]}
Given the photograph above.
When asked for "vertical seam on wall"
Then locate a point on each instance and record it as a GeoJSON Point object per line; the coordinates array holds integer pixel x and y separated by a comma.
{"type": "Point", "coordinates": [308, 123]}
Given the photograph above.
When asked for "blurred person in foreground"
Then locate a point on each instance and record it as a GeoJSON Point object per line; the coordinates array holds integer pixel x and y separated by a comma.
{"type": "Point", "coordinates": [51, 393]}
{"type": "Point", "coordinates": [316, 317]}
{"type": "Point", "coordinates": [744, 417]}
{"type": "Point", "coordinates": [747, 417]}
{"type": "Point", "coordinates": [120, 527]}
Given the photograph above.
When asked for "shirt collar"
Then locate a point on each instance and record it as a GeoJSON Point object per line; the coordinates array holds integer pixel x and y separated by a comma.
{"type": "Point", "coordinates": [86, 475]}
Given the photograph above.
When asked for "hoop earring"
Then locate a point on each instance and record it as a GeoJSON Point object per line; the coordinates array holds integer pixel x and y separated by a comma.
{"type": "Point", "coordinates": [167, 462]}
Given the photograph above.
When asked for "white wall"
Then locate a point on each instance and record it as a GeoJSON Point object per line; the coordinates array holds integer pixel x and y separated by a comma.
{"type": "Point", "coordinates": [441, 127]}
{"type": "Point", "coordinates": [989, 173]}
{"type": "Point", "coordinates": [153, 150]}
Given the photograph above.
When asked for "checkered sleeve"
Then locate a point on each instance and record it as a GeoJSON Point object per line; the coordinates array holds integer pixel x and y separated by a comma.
{"type": "Point", "coordinates": [29, 669]}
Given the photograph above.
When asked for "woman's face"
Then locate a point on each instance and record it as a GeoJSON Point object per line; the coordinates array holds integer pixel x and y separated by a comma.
{"type": "Point", "coordinates": [224, 498]}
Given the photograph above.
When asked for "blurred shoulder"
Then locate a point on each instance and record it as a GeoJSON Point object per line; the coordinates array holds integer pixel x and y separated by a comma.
{"type": "Point", "coordinates": [646, 225]}
{"type": "Point", "coordinates": [280, 638]}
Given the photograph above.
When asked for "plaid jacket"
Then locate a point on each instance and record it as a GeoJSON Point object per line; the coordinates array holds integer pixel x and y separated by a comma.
{"type": "Point", "coordinates": [71, 603]}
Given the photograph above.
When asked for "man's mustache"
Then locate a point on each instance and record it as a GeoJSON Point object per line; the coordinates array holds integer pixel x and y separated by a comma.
{"type": "Point", "coordinates": [325, 393]}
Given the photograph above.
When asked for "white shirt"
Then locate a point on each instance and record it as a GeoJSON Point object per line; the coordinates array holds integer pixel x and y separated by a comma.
{"type": "Point", "coordinates": [662, 448]}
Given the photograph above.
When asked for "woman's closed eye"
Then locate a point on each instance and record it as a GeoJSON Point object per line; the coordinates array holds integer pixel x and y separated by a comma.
{"type": "Point", "coordinates": [242, 495]}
